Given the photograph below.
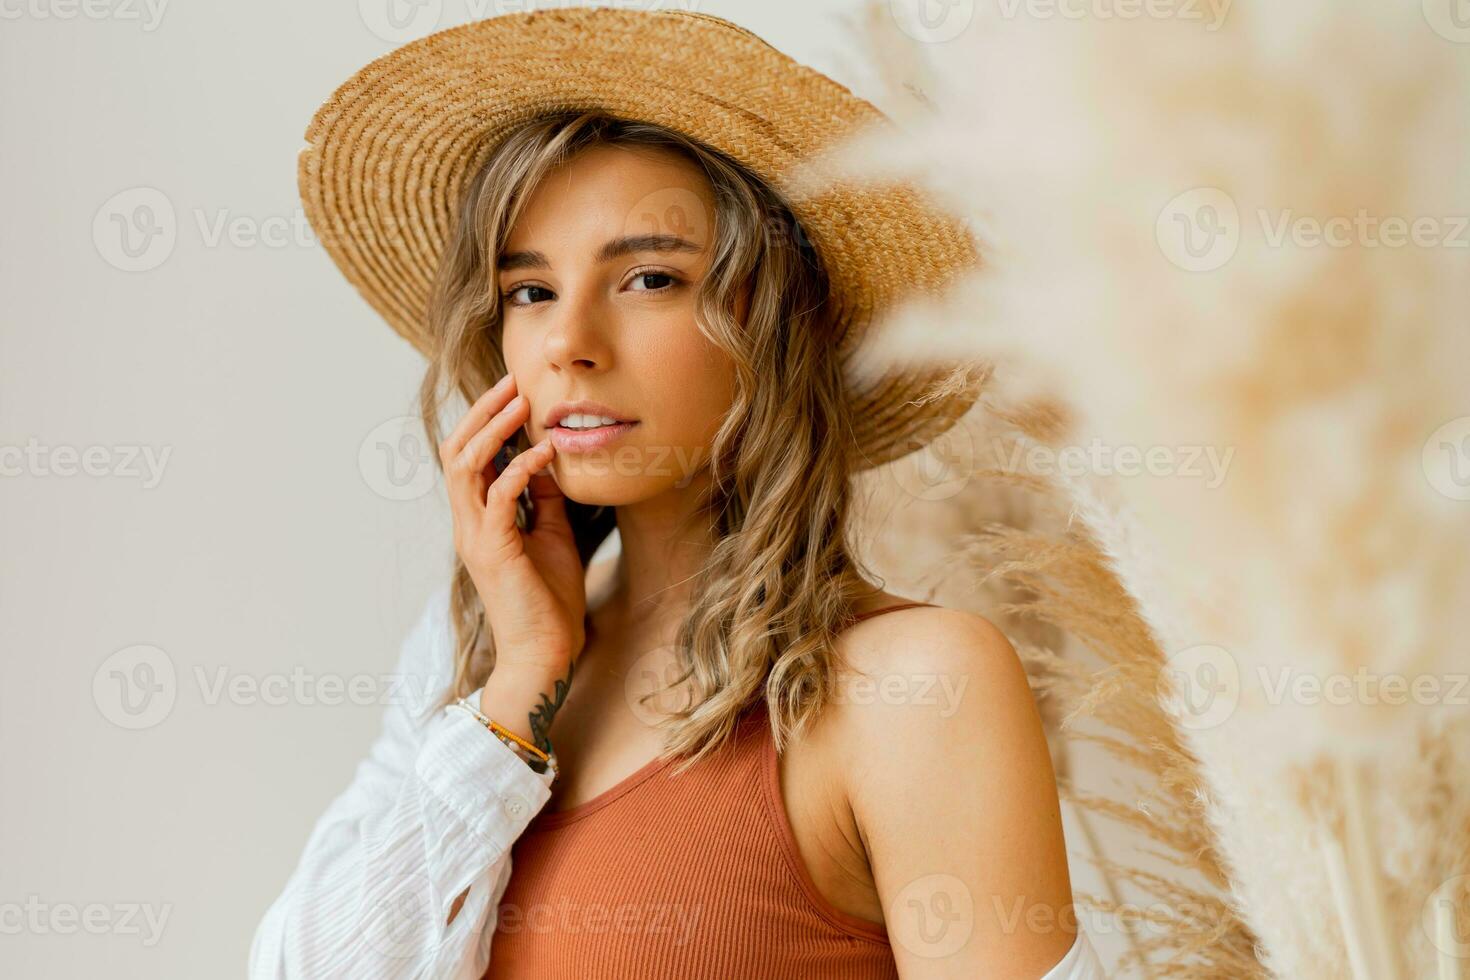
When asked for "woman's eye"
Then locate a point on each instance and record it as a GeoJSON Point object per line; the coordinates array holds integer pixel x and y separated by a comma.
{"type": "Point", "coordinates": [662, 281]}
{"type": "Point", "coordinates": [510, 296]}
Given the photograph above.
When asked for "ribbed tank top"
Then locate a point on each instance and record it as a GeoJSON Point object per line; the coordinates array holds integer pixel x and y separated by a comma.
{"type": "Point", "coordinates": [680, 877]}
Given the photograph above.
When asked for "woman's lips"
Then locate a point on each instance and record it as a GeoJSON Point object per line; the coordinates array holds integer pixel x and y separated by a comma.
{"type": "Point", "coordinates": [585, 440]}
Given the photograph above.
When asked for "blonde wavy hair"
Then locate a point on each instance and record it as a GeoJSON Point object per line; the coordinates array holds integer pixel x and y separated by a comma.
{"type": "Point", "coordinates": [781, 579]}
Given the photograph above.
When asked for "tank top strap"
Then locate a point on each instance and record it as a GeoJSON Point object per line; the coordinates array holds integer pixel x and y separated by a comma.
{"type": "Point", "coordinates": [859, 617]}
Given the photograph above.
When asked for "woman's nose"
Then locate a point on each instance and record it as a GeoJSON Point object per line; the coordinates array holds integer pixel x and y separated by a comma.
{"type": "Point", "coordinates": [575, 339]}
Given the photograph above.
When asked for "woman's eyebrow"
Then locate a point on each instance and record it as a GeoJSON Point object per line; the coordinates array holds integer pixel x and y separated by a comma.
{"type": "Point", "coordinates": [614, 249]}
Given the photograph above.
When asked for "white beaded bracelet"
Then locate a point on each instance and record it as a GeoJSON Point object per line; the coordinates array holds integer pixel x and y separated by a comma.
{"type": "Point", "coordinates": [514, 744]}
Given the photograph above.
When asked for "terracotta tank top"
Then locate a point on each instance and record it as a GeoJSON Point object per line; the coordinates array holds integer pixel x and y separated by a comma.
{"type": "Point", "coordinates": [686, 877]}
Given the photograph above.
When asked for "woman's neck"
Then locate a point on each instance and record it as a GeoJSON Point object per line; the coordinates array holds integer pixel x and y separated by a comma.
{"type": "Point", "coordinates": [662, 551]}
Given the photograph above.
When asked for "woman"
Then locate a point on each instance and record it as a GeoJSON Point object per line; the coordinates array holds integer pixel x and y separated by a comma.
{"type": "Point", "coordinates": [751, 774]}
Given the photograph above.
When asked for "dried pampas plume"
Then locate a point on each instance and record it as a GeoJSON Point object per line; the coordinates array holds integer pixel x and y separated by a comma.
{"type": "Point", "coordinates": [1219, 485]}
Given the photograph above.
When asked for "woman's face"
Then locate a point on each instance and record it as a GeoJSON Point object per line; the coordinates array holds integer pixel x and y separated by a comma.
{"type": "Point", "coordinates": [598, 280]}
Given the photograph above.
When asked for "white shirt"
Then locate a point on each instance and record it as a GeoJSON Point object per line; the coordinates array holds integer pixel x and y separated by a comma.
{"type": "Point", "coordinates": [432, 810]}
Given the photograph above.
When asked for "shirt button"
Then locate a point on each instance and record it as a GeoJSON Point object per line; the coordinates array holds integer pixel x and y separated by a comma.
{"type": "Point", "coordinates": [516, 807]}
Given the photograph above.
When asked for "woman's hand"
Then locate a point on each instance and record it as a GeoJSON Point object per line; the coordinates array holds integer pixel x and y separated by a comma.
{"type": "Point", "coordinates": [532, 584]}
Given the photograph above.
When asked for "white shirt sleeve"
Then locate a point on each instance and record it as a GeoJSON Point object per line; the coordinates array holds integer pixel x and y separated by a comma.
{"type": "Point", "coordinates": [1080, 963]}
{"type": "Point", "coordinates": [432, 810]}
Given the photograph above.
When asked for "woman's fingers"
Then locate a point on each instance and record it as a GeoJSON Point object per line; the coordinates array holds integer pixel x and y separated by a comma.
{"type": "Point", "coordinates": [550, 502]}
{"type": "Point", "coordinates": [475, 457]}
{"type": "Point", "coordinates": [500, 499]}
{"type": "Point", "coordinates": [467, 473]}
{"type": "Point", "coordinates": [484, 408]}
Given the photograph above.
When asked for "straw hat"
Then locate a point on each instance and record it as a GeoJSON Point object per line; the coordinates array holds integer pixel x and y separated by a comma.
{"type": "Point", "coordinates": [388, 154]}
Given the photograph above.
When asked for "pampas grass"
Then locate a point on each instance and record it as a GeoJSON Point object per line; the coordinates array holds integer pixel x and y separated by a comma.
{"type": "Point", "coordinates": [1191, 267]}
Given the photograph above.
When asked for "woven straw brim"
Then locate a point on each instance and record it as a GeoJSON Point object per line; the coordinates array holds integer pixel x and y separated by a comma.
{"type": "Point", "coordinates": [388, 154]}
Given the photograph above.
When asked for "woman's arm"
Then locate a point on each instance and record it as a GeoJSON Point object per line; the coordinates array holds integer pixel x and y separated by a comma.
{"type": "Point", "coordinates": [429, 817]}
{"type": "Point", "coordinates": [951, 783]}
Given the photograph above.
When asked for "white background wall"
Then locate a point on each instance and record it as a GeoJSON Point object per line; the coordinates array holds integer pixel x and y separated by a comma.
{"type": "Point", "coordinates": [263, 547]}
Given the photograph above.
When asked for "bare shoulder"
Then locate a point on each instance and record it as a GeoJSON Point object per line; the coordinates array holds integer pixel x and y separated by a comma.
{"type": "Point", "coordinates": [943, 683]}
{"type": "Point", "coordinates": [930, 638]}
{"type": "Point", "coordinates": [934, 725]}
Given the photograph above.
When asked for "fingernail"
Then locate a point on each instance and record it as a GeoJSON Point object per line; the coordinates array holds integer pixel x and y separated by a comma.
{"type": "Point", "coordinates": [500, 385]}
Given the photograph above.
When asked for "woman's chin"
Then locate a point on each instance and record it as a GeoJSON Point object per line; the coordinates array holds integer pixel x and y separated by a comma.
{"type": "Point", "coordinates": [596, 486]}
{"type": "Point", "coordinates": [600, 489]}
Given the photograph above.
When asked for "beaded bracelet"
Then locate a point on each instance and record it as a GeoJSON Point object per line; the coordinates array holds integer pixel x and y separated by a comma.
{"type": "Point", "coordinates": [512, 741]}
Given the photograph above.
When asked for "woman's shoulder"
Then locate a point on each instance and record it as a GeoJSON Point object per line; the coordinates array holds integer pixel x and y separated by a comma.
{"type": "Point", "coordinates": [923, 677]}
{"type": "Point", "coordinates": [935, 694]}
{"type": "Point", "coordinates": [922, 635]}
